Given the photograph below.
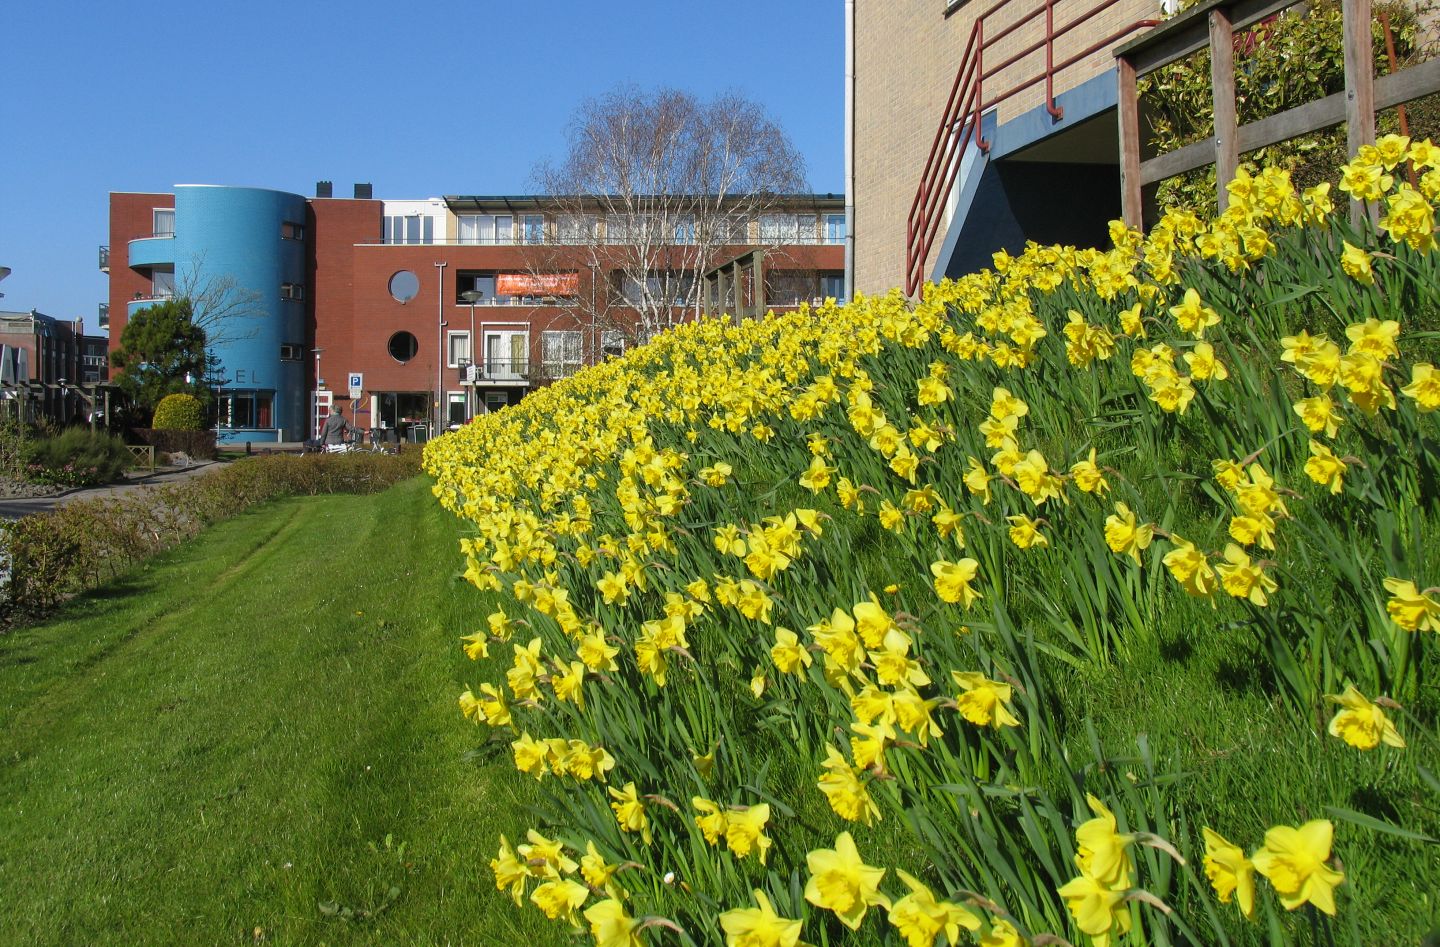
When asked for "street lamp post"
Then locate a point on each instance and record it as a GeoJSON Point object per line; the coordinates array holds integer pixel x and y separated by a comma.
{"type": "Point", "coordinates": [440, 406]}
{"type": "Point", "coordinates": [471, 296]}
{"type": "Point", "coordinates": [319, 383]}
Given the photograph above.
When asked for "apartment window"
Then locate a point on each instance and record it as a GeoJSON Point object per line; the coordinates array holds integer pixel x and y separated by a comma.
{"type": "Point", "coordinates": [163, 222]}
{"type": "Point", "coordinates": [779, 228]}
{"type": "Point", "coordinates": [467, 281]}
{"type": "Point", "coordinates": [577, 229]}
{"type": "Point", "coordinates": [485, 228]}
{"type": "Point", "coordinates": [684, 230]}
{"type": "Point", "coordinates": [561, 352]}
{"type": "Point", "coordinates": [411, 228]}
{"type": "Point", "coordinates": [832, 285]}
{"type": "Point", "coordinates": [245, 409]}
{"type": "Point", "coordinates": [162, 284]}
{"type": "Point", "coordinates": [674, 286]}
{"type": "Point", "coordinates": [291, 351]}
{"type": "Point", "coordinates": [292, 291]}
{"type": "Point", "coordinates": [507, 355]}
{"type": "Point", "coordinates": [788, 289]}
{"type": "Point", "coordinates": [533, 228]}
{"type": "Point", "coordinates": [612, 343]}
{"type": "Point", "coordinates": [835, 228]}
{"type": "Point", "coordinates": [292, 231]}
{"type": "Point", "coordinates": [457, 348]}
{"type": "Point", "coordinates": [455, 408]}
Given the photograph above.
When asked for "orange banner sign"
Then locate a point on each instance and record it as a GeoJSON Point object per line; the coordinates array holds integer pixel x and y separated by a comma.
{"type": "Point", "coordinates": [537, 284]}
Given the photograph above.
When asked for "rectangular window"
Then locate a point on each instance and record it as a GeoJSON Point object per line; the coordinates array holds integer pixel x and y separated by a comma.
{"type": "Point", "coordinates": [292, 231]}
{"type": "Point", "coordinates": [779, 228]}
{"type": "Point", "coordinates": [832, 285]}
{"type": "Point", "coordinates": [534, 228]}
{"type": "Point", "coordinates": [684, 230]}
{"type": "Point", "coordinates": [561, 353]}
{"type": "Point", "coordinates": [292, 291]}
{"type": "Point", "coordinates": [485, 229]}
{"type": "Point", "coordinates": [612, 343]}
{"type": "Point", "coordinates": [414, 228]}
{"type": "Point", "coordinates": [507, 356]}
{"type": "Point", "coordinates": [291, 351]}
{"type": "Point", "coordinates": [671, 285]}
{"type": "Point", "coordinates": [835, 228]}
{"type": "Point", "coordinates": [456, 408]}
{"type": "Point", "coordinates": [245, 409]}
{"type": "Point", "coordinates": [482, 283]}
{"type": "Point", "coordinates": [164, 222]}
{"type": "Point", "coordinates": [457, 345]}
{"type": "Point", "coordinates": [162, 284]}
{"type": "Point", "coordinates": [577, 230]}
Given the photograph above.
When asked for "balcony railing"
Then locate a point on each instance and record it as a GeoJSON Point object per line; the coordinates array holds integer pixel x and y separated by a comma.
{"type": "Point", "coordinates": [104, 316]}
{"type": "Point", "coordinates": [974, 91]}
{"type": "Point", "coordinates": [105, 259]}
{"type": "Point", "coordinates": [496, 369]}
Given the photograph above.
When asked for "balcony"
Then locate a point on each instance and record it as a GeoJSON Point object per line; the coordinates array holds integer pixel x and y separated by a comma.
{"type": "Point", "coordinates": [143, 300]}
{"type": "Point", "coordinates": [497, 371]}
{"type": "Point", "coordinates": [104, 259]}
{"type": "Point", "coordinates": [104, 316]}
{"type": "Point", "coordinates": [153, 250]}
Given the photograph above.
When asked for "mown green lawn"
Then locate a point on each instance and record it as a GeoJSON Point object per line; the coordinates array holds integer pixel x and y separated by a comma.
{"type": "Point", "coordinates": [255, 739]}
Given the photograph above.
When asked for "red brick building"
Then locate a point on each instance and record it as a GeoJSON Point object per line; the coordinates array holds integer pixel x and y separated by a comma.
{"type": "Point", "coordinates": [442, 307]}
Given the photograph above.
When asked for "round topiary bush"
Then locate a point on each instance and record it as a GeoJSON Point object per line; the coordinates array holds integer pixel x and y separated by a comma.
{"type": "Point", "coordinates": [179, 412]}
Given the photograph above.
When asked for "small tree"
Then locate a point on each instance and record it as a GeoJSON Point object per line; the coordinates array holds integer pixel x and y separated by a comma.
{"type": "Point", "coordinates": [162, 351]}
{"type": "Point", "coordinates": [674, 180]}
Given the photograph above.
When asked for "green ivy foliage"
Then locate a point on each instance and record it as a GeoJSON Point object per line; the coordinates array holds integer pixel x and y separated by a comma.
{"type": "Point", "coordinates": [1281, 63]}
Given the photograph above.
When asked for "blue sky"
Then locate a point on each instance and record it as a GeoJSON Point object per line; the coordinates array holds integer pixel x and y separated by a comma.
{"type": "Point", "coordinates": [421, 98]}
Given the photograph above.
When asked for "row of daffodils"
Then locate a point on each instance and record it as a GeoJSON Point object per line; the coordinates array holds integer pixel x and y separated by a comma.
{"type": "Point", "coordinates": [797, 620]}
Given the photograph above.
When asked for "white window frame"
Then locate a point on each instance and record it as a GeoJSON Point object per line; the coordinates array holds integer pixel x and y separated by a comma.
{"type": "Point", "coordinates": [570, 344]}
{"type": "Point", "coordinates": [155, 228]}
{"type": "Point", "coordinates": [528, 220]}
{"type": "Point", "coordinates": [295, 291]}
{"type": "Point", "coordinates": [829, 218]}
{"type": "Point", "coordinates": [453, 336]}
{"type": "Point", "coordinates": [612, 343]}
{"type": "Point", "coordinates": [486, 229]}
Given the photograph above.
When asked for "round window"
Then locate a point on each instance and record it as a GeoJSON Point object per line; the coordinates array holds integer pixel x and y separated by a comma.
{"type": "Point", "coordinates": [403, 346]}
{"type": "Point", "coordinates": [404, 285]}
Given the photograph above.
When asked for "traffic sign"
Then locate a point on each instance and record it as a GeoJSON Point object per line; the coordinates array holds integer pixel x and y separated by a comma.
{"type": "Point", "coordinates": [357, 384]}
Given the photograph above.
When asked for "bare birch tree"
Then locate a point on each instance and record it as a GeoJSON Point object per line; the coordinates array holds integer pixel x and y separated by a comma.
{"type": "Point", "coordinates": [657, 188]}
{"type": "Point", "coordinates": [227, 311]}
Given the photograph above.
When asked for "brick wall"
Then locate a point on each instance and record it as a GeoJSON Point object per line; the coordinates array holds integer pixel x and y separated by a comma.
{"type": "Point", "coordinates": [131, 216]}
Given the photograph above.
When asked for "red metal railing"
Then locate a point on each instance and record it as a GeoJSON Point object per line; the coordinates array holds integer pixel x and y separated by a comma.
{"type": "Point", "coordinates": [967, 102]}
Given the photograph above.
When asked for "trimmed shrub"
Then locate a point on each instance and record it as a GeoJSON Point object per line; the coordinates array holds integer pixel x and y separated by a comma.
{"type": "Point", "coordinates": [77, 457]}
{"type": "Point", "coordinates": [80, 545]}
{"type": "Point", "coordinates": [178, 412]}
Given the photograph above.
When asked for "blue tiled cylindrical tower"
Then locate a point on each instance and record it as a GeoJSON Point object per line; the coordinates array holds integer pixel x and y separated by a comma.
{"type": "Point", "coordinates": [243, 250]}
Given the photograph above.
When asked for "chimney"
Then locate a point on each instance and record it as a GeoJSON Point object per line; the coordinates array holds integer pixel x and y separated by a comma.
{"type": "Point", "coordinates": [364, 192]}
{"type": "Point", "coordinates": [324, 189]}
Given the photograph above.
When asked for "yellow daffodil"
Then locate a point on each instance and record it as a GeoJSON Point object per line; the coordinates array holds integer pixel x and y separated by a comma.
{"type": "Point", "coordinates": [1410, 608]}
{"type": "Point", "coordinates": [612, 927]}
{"type": "Point", "coordinates": [759, 926]}
{"type": "Point", "coordinates": [1025, 533]}
{"type": "Point", "coordinates": [630, 811]}
{"type": "Point", "coordinates": [920, 917]}
{"type": "Point", "coordinates": [984, 702]}
{"type": "Point", "coordinates": [840, 881]}
{"type": "Point", "coordinates": [952, 580]}
{"type": "Point", "coordinates": [1361, 723]}
{"type": "Point", "coordinates": [1243, 578]}
{"type": "Point", "coordinates": [843, 789]}
{"type": "Point", "coordinates": [560, 899]}
{"type": "Point", "coordinates": [1189, 567]}
{"type": "Point", "coordinates": [1125, 536]}
{"type": "Point", "coordinates": [744, 831]}
{"type": "Point", "coordinates": [1424, 387]}
{"type": "Point", "coordinates": [1324, 467]}
{"type": "Point", "coordinates": [1231, 874]}
{"type": "Point", "coordinates": [1293, 859]}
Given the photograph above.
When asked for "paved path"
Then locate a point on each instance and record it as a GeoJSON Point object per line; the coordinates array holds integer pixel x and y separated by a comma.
{"type": "Point", "coordinates": [14, 509]}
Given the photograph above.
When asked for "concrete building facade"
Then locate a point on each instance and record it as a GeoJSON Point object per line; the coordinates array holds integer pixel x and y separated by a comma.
{"type": "Point", "coordinates": [1039, 175]}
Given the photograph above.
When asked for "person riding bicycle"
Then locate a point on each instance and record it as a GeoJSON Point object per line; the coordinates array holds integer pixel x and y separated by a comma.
{"type": "Point", "coordinates": [334, 430]}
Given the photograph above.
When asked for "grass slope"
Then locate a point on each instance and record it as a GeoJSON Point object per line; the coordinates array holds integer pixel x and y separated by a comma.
{"type": "Point", "coordinates": [254, 739]}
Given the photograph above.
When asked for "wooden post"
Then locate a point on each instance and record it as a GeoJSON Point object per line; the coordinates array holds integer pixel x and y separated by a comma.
{"type": "Point", "coordinates": [1359, 85]}
{"type": "Point", "coordinates": [1127, 110]}
{"type": "Point", "coordinates": [1222, 84]}
{"type": "Point", "coordinates": [757, 277]}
